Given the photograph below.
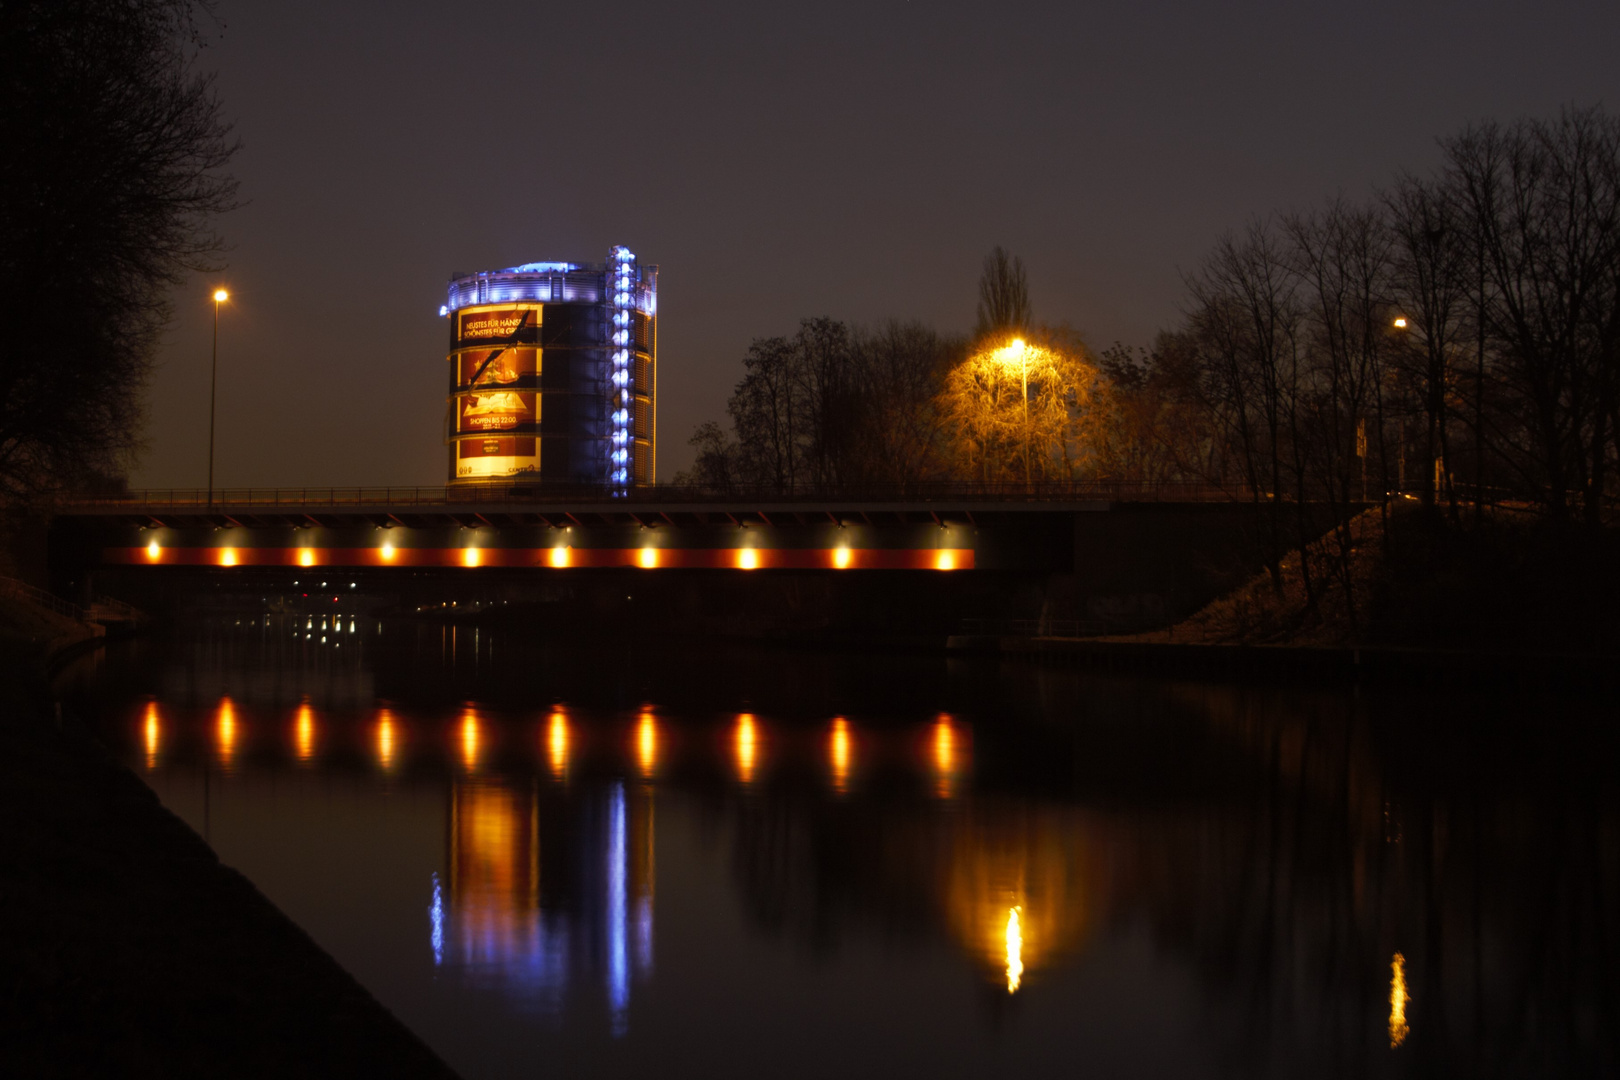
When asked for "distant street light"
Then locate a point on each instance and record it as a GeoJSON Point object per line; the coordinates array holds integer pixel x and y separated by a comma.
{"type": "Point", "coordinates": [1018, 353]}
{"type": "Point", "coordinates": [220, 296]}
{"type": "Point", "coordinates": [1400, 322]}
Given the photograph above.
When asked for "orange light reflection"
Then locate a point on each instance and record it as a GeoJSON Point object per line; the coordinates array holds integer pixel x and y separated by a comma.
{"type": "Point", "coordinates": [385, 738]}
{"type": "Point", "coordinates": [1398, 999]}
{"type": "Point", "coordinates": [747, 747]}
{"type": "Point", "coordinates": [647, 743]}
{"type": "Point", "coordinates": [945, 757]}
{"type": "Point", "coordinates": [304, 732]}
{"type": "Point", "coordinates": [469, 739]}
{"type": "Point", "coordinates": [557, 742]}
{"type": "Point", "coordinates": [225, 728]}
{"type": "Point", "coordinates": [1015, 951]}
{"type": "Point", "coordinates": [152, 730]}
{"type": "Point", "coordinates": [839, 750]}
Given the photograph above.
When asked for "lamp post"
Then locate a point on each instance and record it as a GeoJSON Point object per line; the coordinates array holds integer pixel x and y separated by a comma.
{"type": "Point", "coordinates": [220, 296]}
{"type": "Point", "coordinates": [1020, 352]}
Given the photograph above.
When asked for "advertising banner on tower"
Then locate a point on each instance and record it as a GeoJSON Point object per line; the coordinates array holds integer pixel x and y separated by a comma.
{"type": "Point", "coordinates": [496, 367]}
{"type": "Point", "coordinates": [501, 410]}
{"type": "Point", "coordinates": [504, 448]}
{"type": "Point", "coordinates": [495, 323]}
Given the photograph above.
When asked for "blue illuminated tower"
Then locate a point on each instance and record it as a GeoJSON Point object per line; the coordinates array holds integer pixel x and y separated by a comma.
{"type": "Point", "coordinates": [553, 372]}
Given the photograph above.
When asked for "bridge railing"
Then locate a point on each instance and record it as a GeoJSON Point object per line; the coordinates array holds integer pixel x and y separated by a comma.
{"type": "Point", "coordinates": [48, 600]}
{"type": "Point", "coordinates": [170, 499]}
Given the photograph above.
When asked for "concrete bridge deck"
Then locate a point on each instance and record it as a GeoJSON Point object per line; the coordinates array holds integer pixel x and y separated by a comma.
{"type": "Point", "coordinates": [1126, 554]}
{"type": "Point", "coordinates": [935, 527]}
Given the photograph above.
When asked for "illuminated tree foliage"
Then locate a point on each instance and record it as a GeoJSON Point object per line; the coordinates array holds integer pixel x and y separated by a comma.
{"type": "Point", "coordinates": [114, 161]}
{"type": "Point", "coordinates": [1025, 411]}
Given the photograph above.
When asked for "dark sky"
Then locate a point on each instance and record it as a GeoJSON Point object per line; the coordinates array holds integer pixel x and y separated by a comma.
{"type": "Point", "coordinates": [776, 161]}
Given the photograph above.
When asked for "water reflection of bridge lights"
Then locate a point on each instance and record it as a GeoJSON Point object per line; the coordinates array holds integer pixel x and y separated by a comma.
{"type": "Point", "coordinates": [152, 728]}
{"type": "Point", "coordinates": [647, 743]}
{"type": "Point", "coordinates": [225, 730]}
{"type": "Point", "coordinates": [1015, 952]}
{"type": "Point", "coordinates": [304, 732]}
{"type": "Point", "coordinates": [839, 751]}
{"type": "Point", "coordinates": [945, 757]}
{"type": "Point", "coordinates": [747, 742]}
{"type": "Point", "coordinates": [557, 743]}
{"type": "Point", "coordinates": [385, 739]}
{"type": "Point", "coordinates": [469, 739]}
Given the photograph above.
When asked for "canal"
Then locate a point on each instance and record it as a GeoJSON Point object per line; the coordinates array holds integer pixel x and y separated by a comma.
{"type": "Point", "coordinates": [629, 858]}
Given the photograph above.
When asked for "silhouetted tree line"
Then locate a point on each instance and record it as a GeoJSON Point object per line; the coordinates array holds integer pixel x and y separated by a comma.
{"type": "Point", "coordinates": [1455, 335]}
{"type": "Point", "coordinates": [833, 405]}
{"type": "Point", "coordinates": [902, 404]}
{"type": "Point", "coordinates": [115, 151]}
{"type": "Point", "coordinates": [1453, 340]}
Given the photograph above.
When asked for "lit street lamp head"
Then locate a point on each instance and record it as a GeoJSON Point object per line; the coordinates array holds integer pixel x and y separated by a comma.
{"type": "Point", "coordinates": [220, 296]}
{"type": "Point", "coordinates": [1014, 353]}
{"type": "Point", "coordinates": [1400, 322]}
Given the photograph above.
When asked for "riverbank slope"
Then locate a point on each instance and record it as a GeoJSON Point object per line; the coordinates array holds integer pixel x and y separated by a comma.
{"type": "Point", "coordinates": [133, 952]}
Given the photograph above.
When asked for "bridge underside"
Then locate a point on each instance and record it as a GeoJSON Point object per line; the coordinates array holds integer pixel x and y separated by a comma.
{"type": "Point", "coordinates": [543, 537]}
{"type": "Point", "coordinates": [1124, 564]}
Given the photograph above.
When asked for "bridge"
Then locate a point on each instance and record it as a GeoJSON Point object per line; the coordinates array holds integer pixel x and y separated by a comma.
{"type": "Point", "coordinates": [1151, 548]}
{"type": "Point", "coordinates": [938, 527]}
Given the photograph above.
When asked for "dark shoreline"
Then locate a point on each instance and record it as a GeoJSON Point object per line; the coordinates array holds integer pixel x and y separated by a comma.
{"type": "Point", "coordinates": [1310, 663]}
{"type": "Point", "coordinates": [136, 952]}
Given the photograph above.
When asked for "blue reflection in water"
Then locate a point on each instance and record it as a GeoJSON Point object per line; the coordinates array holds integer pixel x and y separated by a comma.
{"type": "Point", "coordinates": [596, 926]}
{"type": "Point", "coordinates": [436, 914]}
{"type": "Point", "coordinates": [618, 954]}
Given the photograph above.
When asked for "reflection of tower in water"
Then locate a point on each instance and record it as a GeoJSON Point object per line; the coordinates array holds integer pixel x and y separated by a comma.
{"type": "Point", "coordinates": [542, 899]}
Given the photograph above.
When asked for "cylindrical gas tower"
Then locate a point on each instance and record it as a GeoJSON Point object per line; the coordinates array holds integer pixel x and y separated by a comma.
{"type": "Point", "coordinates": [553, 373]}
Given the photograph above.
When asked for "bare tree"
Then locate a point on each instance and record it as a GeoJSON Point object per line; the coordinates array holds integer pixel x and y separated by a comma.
{"type": "Point", "coordinates": [1003, 296]}
{"type": "Point", "coordinates": [114, 165]}
{"type": "Point", "coordinates": [902, 437]}
{"type": "Point", "coordinates": [1543, 200]}
{"type": "Point", "coordinates": [1247, 318]}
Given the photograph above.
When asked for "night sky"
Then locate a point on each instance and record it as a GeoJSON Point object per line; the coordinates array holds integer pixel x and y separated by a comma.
{"type": "Point", "coordinates": [776, 161]}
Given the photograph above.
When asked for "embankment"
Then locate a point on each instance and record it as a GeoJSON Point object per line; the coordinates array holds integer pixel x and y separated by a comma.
{"type": "Point", "coordinates": [132, 951]}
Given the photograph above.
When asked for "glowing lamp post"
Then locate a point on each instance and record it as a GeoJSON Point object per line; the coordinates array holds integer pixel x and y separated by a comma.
{"type": "Point", "coordinates": [1018, 353]}
{"type": "Point", "coordinates": [220, 296]}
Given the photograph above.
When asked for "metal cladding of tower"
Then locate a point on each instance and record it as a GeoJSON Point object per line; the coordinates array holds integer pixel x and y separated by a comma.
{"type": "Point", "coordinates": [553, 369]}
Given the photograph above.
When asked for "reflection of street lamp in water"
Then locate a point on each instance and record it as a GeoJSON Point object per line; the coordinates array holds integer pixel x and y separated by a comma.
{"type": "Point", "coordinates": [1015, 951]}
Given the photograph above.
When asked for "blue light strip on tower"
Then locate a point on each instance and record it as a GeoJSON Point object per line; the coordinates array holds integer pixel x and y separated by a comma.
{"type": "Point", "coordinates": [621, 268]}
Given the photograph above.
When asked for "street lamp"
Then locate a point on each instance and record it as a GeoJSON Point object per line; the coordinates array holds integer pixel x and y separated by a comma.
{"type": "Point", "coordinates": [1018, 352]}
{"type": "Point", "coordinates": [220, 296]}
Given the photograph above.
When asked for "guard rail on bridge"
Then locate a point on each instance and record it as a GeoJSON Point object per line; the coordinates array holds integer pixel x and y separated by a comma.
{"type": "Point", "coordinates": [179, 499]}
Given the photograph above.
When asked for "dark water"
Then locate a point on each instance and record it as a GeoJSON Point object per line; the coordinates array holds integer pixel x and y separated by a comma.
{"type": "Point", "coordinates": [637, 859]}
